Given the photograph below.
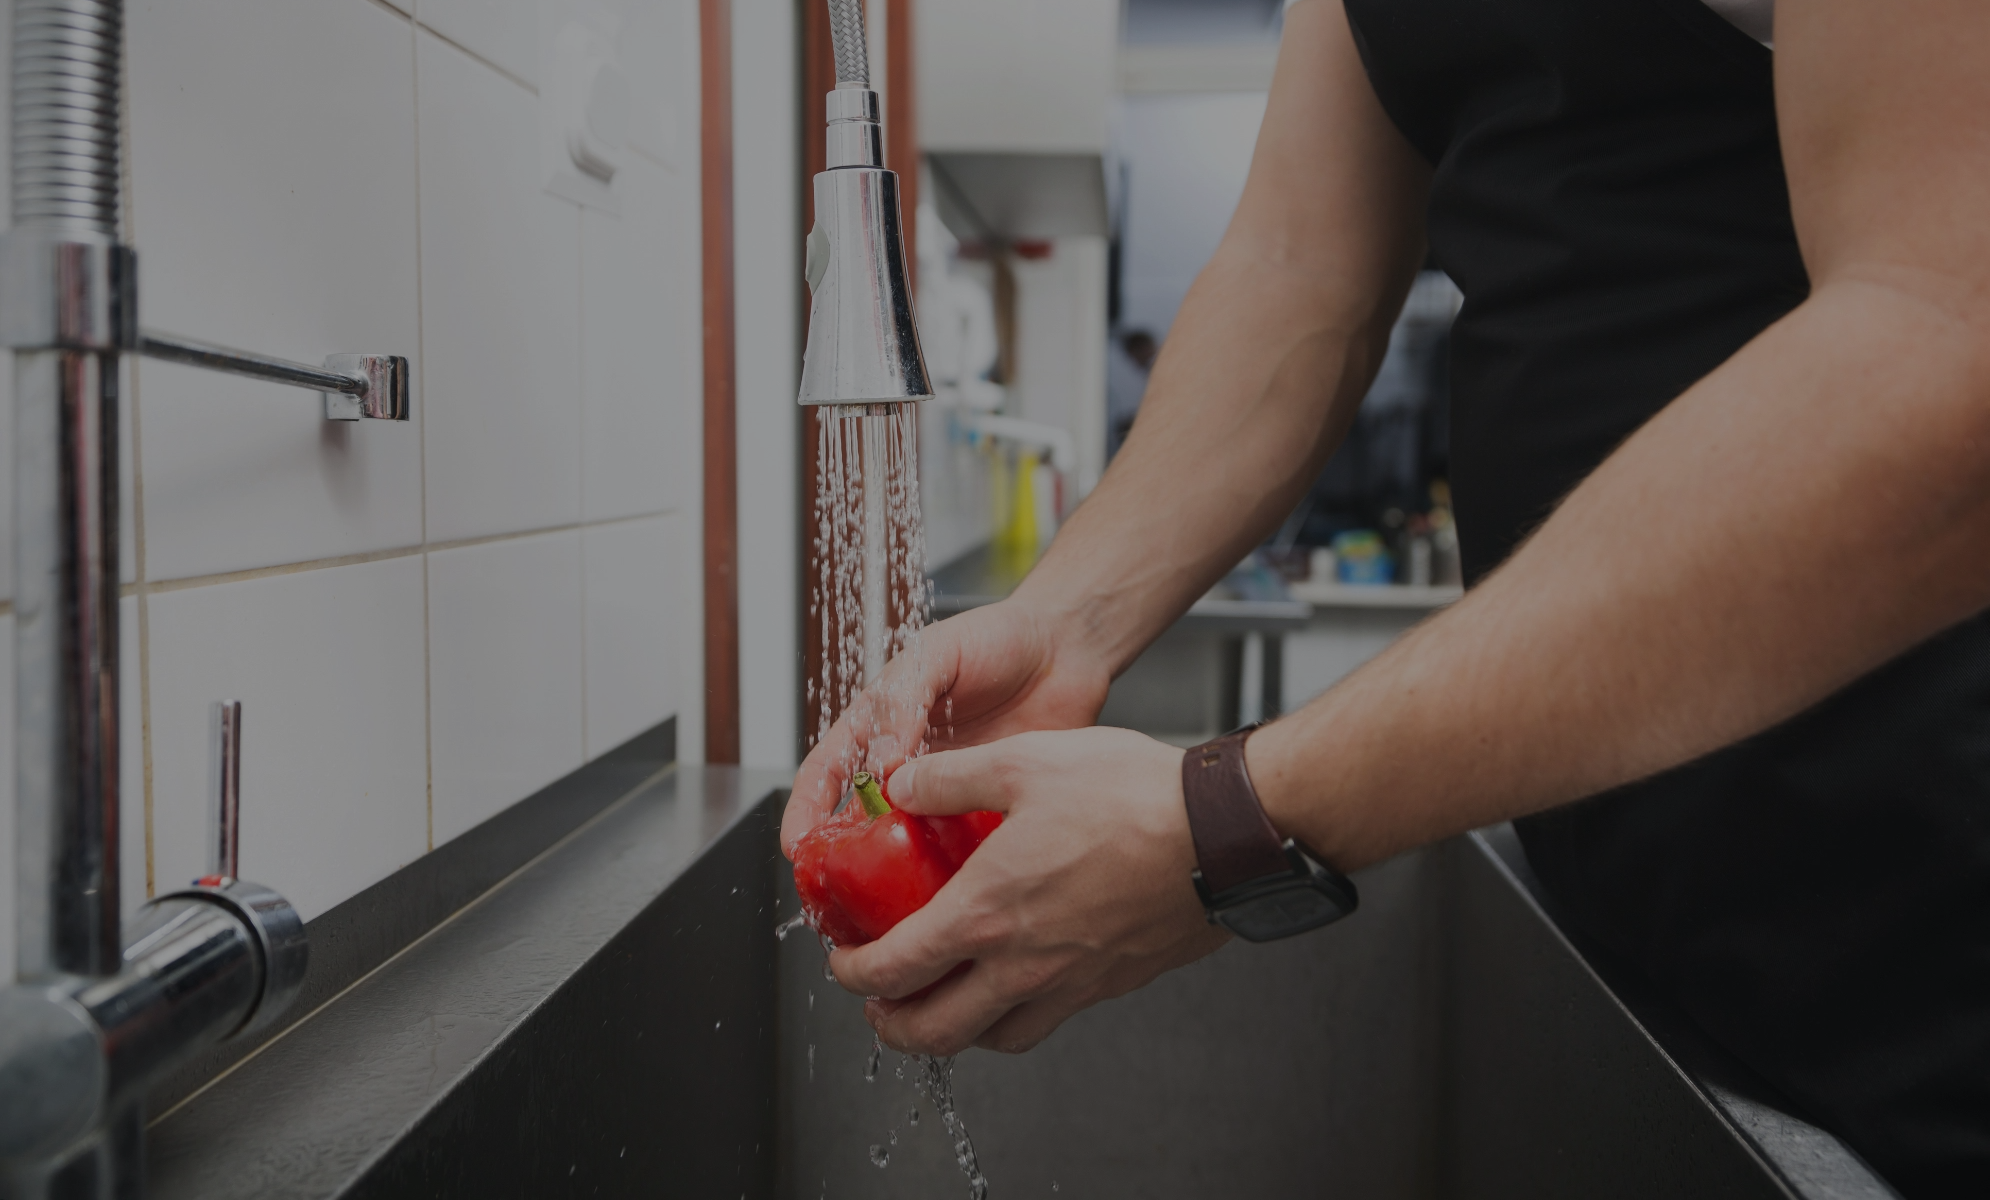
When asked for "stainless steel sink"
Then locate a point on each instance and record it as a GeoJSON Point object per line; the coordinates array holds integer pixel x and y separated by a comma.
{"type": "Point", "coordinates": [617, 1019]}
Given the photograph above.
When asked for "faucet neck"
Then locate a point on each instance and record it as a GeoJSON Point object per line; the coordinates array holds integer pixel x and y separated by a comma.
{"type": "Point", "coordinates": [856, 136]}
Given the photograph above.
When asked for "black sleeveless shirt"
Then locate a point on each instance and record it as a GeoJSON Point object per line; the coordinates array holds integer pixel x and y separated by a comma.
{"type": "Point", "coordinates": [1609, 195]}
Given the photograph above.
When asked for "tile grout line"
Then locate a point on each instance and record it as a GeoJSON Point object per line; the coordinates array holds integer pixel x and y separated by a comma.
{"type": "Point", "coordinates": [438, 35]}
{"type": "Point", "coordinates": [472, 55]}
{"type": "Point", "coordinates": [187, 582]}
{"type": "Point", "coordinates": [421, 455]}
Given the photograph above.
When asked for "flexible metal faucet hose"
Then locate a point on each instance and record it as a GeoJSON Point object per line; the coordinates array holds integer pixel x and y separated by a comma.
{"type": "Point", "coordinates": [846, 32]}
{"type": "Point", "coordinates": [65, 118]}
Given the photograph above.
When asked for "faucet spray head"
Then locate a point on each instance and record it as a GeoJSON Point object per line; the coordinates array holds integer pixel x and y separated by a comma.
{"type": "Point", "coordinates": [863, 336]}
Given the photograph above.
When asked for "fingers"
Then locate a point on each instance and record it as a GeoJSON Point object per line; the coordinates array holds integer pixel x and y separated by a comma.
{"type": "Point", "coordinates": [948, 1020]}
{"type": "Point", "coordinates": [977, 779]}
{"type": "Point", "coordinates": [1025, 1026]}
{"type": "Point", "coordinates": [818, 785]}
{"type": "Point", "coordinates": [880, 729]}
{"type": "Point", "coordinates": [918, 951]}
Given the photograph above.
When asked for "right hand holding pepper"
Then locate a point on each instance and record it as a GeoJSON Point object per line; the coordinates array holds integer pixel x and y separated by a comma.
{"type": "Point", "coordinates": [1084, 893]}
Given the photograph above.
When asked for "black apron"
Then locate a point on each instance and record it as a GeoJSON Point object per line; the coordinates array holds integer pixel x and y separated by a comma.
{"type": "Point", "coordinates": [1609, 194]}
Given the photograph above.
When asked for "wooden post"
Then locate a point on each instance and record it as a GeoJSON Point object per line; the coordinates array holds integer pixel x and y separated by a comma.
{"type": "Point", "coordinates": [901, 123]}
{"type": "Point", "coordinates": [818, 79]}
{"type": "Point", "coordinates": [721, 471]}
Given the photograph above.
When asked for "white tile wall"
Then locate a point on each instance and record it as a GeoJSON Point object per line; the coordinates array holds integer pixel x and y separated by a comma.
{"type": "Point", "coordinates": [328, 667]}
{"type": "Point", "coordinates": [505, 673]}
{"type": "Point", "coordinates": [273, 181]}
{"type": "Point", "coordinates": [640, 335]}
{"type": "Point", "coordinates": [426, 622]}
{"type": "Point", "coordinates": [504, 33]}
{"type": "Point", "coordinates": [135, 874]}
{"type": "Point", "coordinates": [658, 47]}
{"type": "Point", "coordinates": [500, 308]}
{"type": "Point", "coordinates": [766, 119]}
{"type": "Point", "coordinates": [634, 678]}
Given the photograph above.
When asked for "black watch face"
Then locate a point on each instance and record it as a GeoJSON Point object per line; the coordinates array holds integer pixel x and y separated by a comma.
{"type": "Point", "coordinates": [1289, 907]}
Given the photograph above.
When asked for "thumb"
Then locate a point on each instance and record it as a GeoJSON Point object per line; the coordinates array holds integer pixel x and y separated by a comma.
{"type": "Point", "coordinates": [951, 782]}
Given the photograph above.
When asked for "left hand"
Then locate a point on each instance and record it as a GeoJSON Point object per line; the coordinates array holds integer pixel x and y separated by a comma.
{"type": "Point", "coordinates": [1081, 895]}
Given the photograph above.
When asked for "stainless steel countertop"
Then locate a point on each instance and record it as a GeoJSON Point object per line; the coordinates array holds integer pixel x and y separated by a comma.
{"type": "Point", "coordinates": [1245, 602]}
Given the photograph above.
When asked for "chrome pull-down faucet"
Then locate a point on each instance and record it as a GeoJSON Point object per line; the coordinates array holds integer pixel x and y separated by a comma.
{"type": "Point", "coordinates": [99, 1011]}
{"type": "Point", "coordinates": [863, 339]}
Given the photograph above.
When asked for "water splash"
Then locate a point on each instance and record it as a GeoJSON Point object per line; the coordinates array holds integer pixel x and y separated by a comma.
{"type": "Point", "coordinates": [936, 1083]}
{"type": "Point", "coordinates": [788, 926]}
{"type": "Point", "coordinates": [869, 599]}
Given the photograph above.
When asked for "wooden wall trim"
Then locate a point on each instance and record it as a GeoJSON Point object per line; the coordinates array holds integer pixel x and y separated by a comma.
{"type": "Point", "coordinates": [901, 121]}
{"type": "Point", "coordinates": [818, 80]}
{"type": "Point", "coordinates": [721, 462]}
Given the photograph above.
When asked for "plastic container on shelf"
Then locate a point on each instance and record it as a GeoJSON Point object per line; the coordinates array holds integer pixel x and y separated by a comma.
{"type": "Point", "coordinates": [1361, 559]}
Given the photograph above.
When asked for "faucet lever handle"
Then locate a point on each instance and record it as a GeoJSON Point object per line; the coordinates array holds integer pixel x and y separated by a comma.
{"type": "Point", "coordinates": [225, 762]}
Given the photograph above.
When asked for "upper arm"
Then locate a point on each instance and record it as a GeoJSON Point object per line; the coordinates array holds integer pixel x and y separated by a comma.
{"type": "Point", "coordinates": [1884, 107]}
{"type": "Point", "coordinates": [1335, 197]}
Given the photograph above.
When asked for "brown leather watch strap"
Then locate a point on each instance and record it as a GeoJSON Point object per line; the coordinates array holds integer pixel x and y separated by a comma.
{"type": "Point", "coordinates": [1234, 841]}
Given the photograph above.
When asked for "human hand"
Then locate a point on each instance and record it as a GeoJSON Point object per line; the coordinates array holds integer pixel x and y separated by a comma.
{"type": "Point", "coordinates": [985, 674]}
{"type": "Point", "coordinates": [1082, 893]}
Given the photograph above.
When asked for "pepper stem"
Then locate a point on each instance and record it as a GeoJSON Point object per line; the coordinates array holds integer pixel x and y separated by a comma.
{"type": "Point", "coordinates": [870, 794]}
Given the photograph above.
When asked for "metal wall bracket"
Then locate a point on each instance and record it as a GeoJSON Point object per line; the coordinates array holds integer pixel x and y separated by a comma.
{"type": "Point", "coordinates": [372, 386]}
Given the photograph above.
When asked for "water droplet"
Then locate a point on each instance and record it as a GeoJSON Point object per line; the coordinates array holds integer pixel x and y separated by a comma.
{"type": "Point", "coordinates": [1053, 1185]}
{"type": "Point", "coordinates": [788, 926]}
{"type": "Point", "coordinates": [880, 1157]}
{"type": "Point", "coordinates": [913, 1116]}
{"type": "Point", "coordinates": [892, 1137]}
{"type": "Point", "coordinates": [716, 1024]}
{"type": "Point", "coordinates": [811, 1062]}
{"type": "Point", "coordinates": [811, 999]}
{"type": "Point", "coordinates": [872, 1063]}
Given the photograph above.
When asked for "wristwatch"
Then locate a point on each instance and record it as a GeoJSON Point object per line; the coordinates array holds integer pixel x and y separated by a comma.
{"type": "Point", "coordinates": [1252, 882]}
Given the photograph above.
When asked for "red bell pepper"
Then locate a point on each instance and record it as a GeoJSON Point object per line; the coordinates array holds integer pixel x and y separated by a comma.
{"type": "Point", "coordinates": [871, 866]}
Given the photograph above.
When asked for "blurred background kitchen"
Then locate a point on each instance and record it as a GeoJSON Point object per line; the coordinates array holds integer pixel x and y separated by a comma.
{"type": "Point", "coordinates": [1080, 164]}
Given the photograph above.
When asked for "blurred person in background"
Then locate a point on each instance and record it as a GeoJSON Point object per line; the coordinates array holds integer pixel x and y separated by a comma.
{"type": "Point", "coordinates": [1720, 456]}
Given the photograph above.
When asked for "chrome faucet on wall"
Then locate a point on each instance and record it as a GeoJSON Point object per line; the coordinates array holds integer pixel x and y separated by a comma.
{"type": "Point", "coordinates": [863, 341]}
{"type": "Point", "coordinates": [99, 1012]}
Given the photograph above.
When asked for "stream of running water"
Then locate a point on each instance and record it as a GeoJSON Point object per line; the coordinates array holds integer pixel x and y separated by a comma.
{"type": "Point", "coordinates": [870, 596]}
{"type": "Point", "coordinates": [869, 599]}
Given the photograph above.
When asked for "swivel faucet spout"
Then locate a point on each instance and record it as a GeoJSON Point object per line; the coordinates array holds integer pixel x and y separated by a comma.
{"type": "Point", "coordinates": [97, 1011]}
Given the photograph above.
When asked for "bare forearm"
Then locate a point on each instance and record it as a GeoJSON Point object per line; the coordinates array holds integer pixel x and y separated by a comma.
{"type": "Point", "coordinates": [1244, 409]}
{"type": "Point", "coordinates": [1808, 511]}
{"type": "Point", "coordinates": [1271, 354]}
